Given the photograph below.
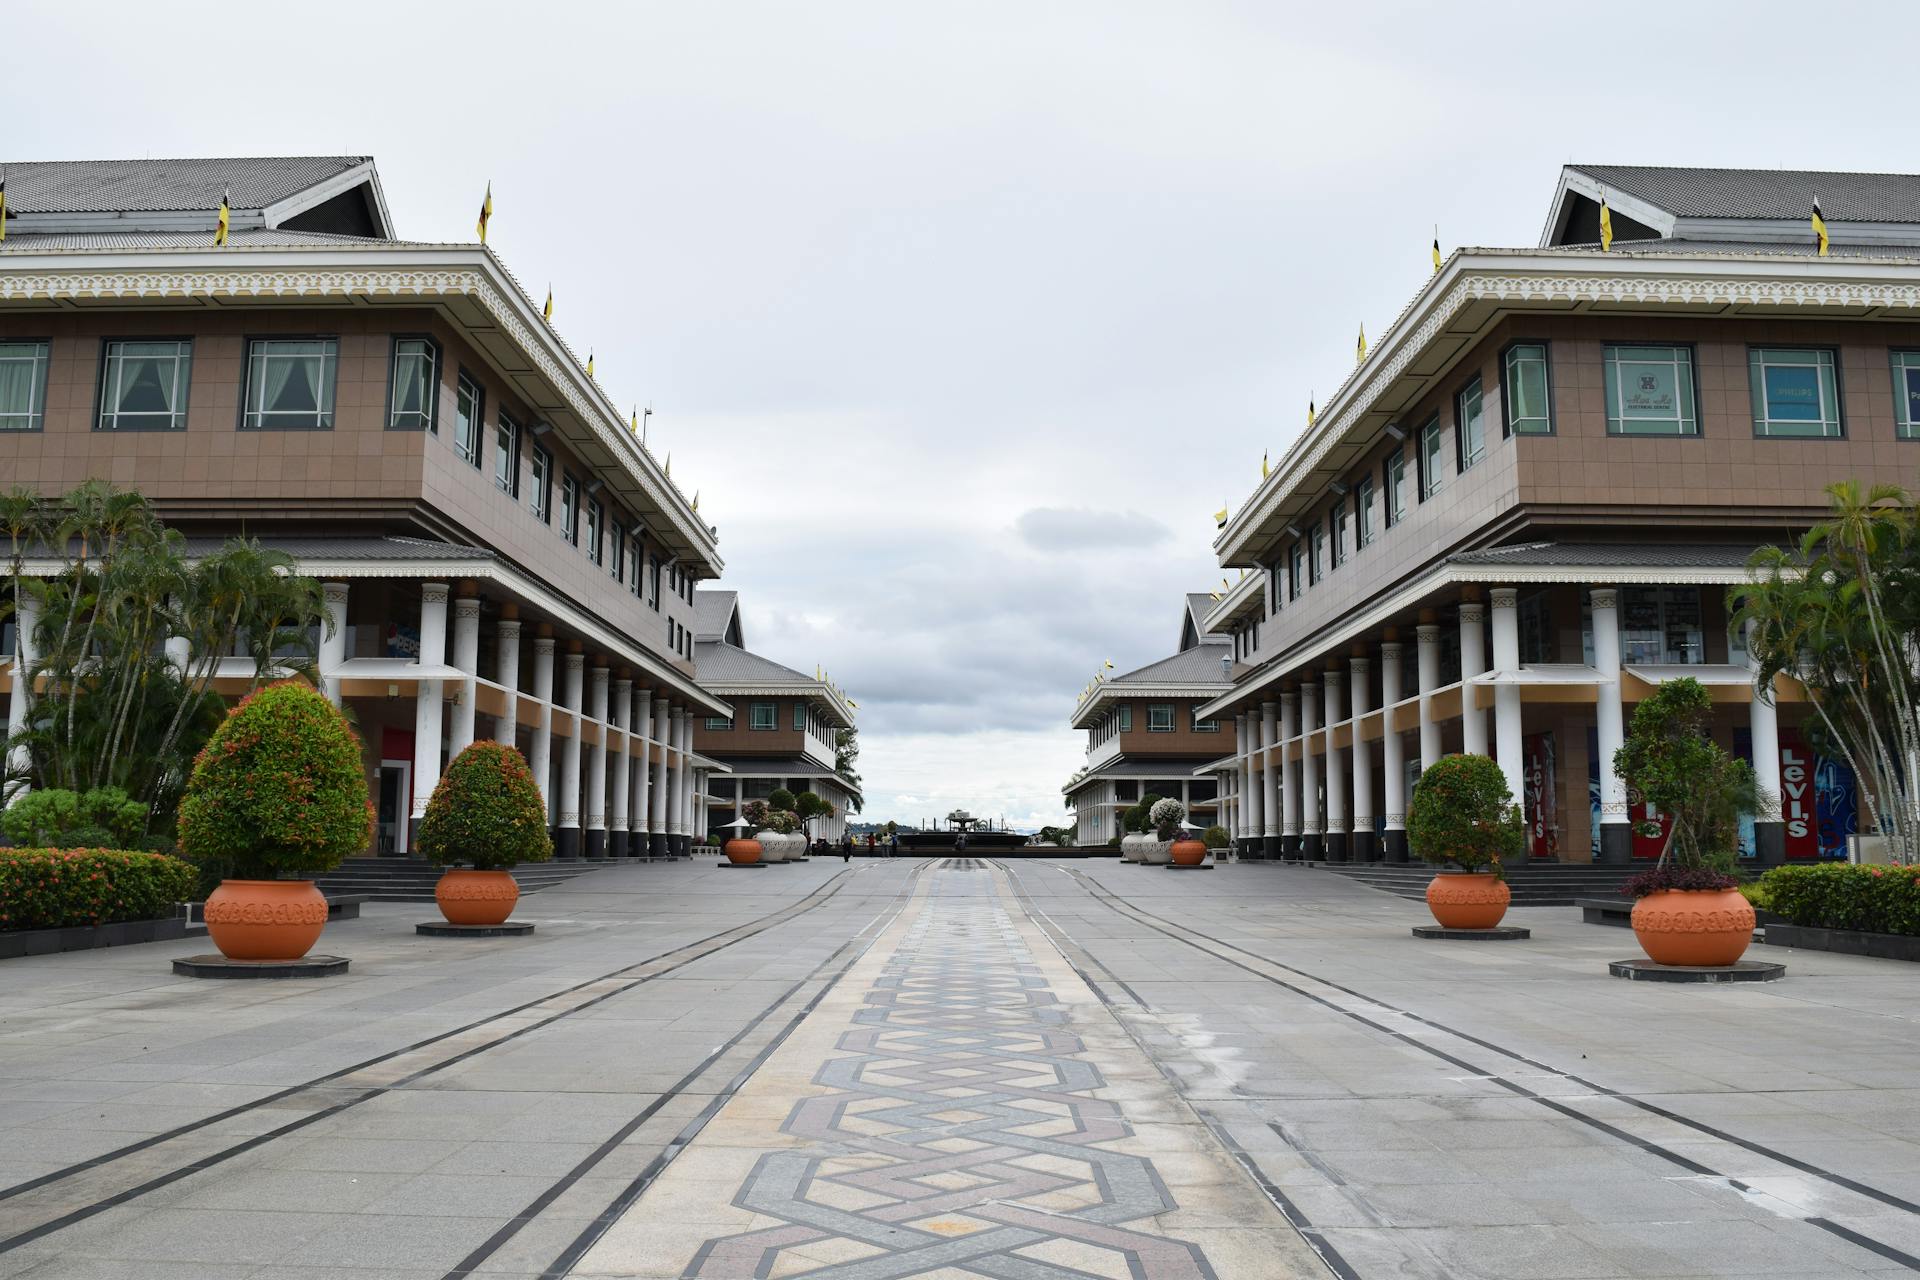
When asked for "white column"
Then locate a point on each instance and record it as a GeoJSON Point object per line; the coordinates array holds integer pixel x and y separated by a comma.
{"type": "Point", "coordinates": [1290, 785]}
{"type": "Point", "coordinates": [506, 726]}
{"type": "Point", "coordinates": [662, 730]}
{"type": "Point", "coordinates": [1392, 747]}
{"type": "Point", "coordinates": [622, 714]}
{"type": "Point", "coordinates": [1270, 774]}
{"type": "Point", "coordinates": [540, 748]}
{"type": "Point", "coordinates": [19, 759]}
{"type": "Point", "coordinates": [683, 741]}
{"type": "Point", "coordinates": [1250, 770]}
{"type": "Point", "coordinates": [1334, 685]}
{"type": "Point", "coordinates": [1508, 748]}
{"type": "Point", "coordinates": [333, 640]}
{"type": "Point", "coordinates": [1427, 672]}
{"type": "Point", "coordinates": [1358, 669]}
{"type": "Point", "coordinates": [466, 656]}
{"type": "Point", "coordinates": [1311, 828]}
{"type": "Point", "coordinates": [642, 759]}
{"type": "Point", "coordinates": [575, 694]}
{"type": "Point", "coordinates": [1473, 661]}
{"type": "Point", "coordinates": [596, 833]}
{"type": "Point", "coordinates": [1610, 722]}
{"type": "Point", "coordinates": [1235, 828]}
{"type": "Point", "coordinates": [1763, 724]}
{"type": "Point", "coordinates": [427, 709]}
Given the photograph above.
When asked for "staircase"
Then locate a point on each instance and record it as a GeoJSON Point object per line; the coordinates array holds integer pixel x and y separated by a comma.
{"type": "Point", "coordinates": [1536, 884]}
{"type": "Point", "coordinates": [410, 880]}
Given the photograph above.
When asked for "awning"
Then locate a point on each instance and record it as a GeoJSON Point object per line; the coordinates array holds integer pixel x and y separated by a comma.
{"type": "Point", "coordinates": [392, 669]}
{"type": "Point", "coordinates": [1721, 673]}
{"type": "Point", "coordinates": [1539, 673]}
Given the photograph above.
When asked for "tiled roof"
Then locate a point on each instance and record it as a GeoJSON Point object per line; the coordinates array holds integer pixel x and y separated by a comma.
{"type": "Point", "coordinates": [151, 186]}
{"type": "Point", "coordinates": [1648, 555]}
{"type": "Point", "coordinates": [1749, 249]}
{"type": "Point", "coordinates": [1766, 193]}
{"type": "Point", "coordinates": [239, 238]}
{"type": "Point", "coordinates": [369, 549]}
{"type": "Point", "coordinates": [712, 610]}
{"type": "Point", "coordinates": [720, 664]}
{"type": "Point", "coordinates": [1198, 665]}
{"type": "Point", "coordinates": [787, 766]}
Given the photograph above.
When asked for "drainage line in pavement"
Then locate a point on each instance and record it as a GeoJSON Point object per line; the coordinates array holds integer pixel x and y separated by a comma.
{"type": "Point", "coordinates": [1295, 1217]}
{"type": "Point", "coordinates": [1107, 899]}
{"type": "Point", "coordinates": [220, 1157]}
{"type": "Point", "coordinates": [605, 1219]}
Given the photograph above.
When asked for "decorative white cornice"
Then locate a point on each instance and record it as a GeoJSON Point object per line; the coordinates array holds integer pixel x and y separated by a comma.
{"type": "Point", "coordinates": [1238, 600]}
{"type": "Point", "coordinates": [812, 690]}
{"type": "Point", "coordinates": [1107, 691]}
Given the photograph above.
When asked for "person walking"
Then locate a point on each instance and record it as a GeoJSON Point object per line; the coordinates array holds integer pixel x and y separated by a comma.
{"type": "Point", "coordinates": [869, 844]}
{"type": "Point", "coordinates": [846, 848]}
{"type": "Point", "coordinates": [893, 844]}
{"type": "Point", "coordinates": [960, 843]}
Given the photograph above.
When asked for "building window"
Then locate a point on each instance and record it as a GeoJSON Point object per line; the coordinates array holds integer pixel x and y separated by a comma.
{"type": "Point", "coordinates": [542, 484]}
{"type": "Point", "coordinates": [143, 386]}
{"type": "Point", "coordinates": [1525, 391]}
{"type": "Point", "coordinates": [619, 540]}
{"type": "Point", "coordinates": [1160, 718]}
{"type": "Point", "coordinates": [1906, 394]}
{"type": "Point", "coordinates": [1469, 425]}
{"type": "Point", "coordinates": [1316, 554]}
{"type": "Point", "coordinates": [23, 385]}
{"type": "Point", "coordinates": [800, 717]}
{"type": "Point", "coordinates": [1393, 480]}
{"type": "Point", "coordinates": [1429, 458]}
{"type": "Point", "coordinates": [1650, 391]}
{"type": "Point", "coordinates": [1794, 392]}
{"type": "Point", "coordinates": [1296, 572]}
{"type": "Point", "coordinates": [1657, 625]}
{"type": "Point", "coordinates": [1126, 718]}
{"type": "Point", "coordinates": [766, 715]}
{"type": "Point", "coordinates": [596, 522]}
{"type": "Point", "coordinates": [570, 509]}
{"type": "Point", "coordinates": [414, 393]}
{"type": "Point", "coordinates": [653, 582]}
{"type": "Point", "coordinates": [1337, 531]}
{"type": "Point", "coordinates": [1363, 510]}
{"type": "Point", "coordinates": [1536, 629]}
{"type": "Point", "coordinates": [506, 456]}
{"type": "Point", "coordinates": [290, 384]}
{"type": "Point", "coordinates": [1199, 725]}
{"type": "Point", "coordinates": [468, 404]}
{"type": "Point", "coordinates": [637, 578]}
{"type": "Point", "coordinates": [720, 724]}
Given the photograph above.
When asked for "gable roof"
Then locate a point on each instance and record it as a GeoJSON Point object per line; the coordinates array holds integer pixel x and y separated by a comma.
{"type": "Point", "coordinates": [52, 196]}
{"type": "Point", "coordinates": [1766, 193]}
{"type": "Point", "coordinates": [722, 666]}
{"type": "Point", "coordinates": [716, 616]}
{"type": "Point", "coordinates": [1193, 625]}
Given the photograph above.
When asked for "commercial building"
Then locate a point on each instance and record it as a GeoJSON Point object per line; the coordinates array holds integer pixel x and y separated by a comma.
{"type": "Point", "coordinates": [502, 557]}
{"type": "Point", "coordinates": [782, 732]}
{"type": "Point", "coordinates": [1145, 732]}
{"type": "Point", "coordinates": [1521, 512]}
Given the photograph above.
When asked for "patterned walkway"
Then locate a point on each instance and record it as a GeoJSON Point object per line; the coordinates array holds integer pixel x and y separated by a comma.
{"type": "Point", "coordinates": [961, 1125]}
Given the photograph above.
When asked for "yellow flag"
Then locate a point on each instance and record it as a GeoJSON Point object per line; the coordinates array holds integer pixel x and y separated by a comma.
{"type": "Point", "coordinates": [1436, 250]}
{"type": "Point", "coordinates": [589, 363]}
{"type": "Point", "coordinates": [226, 211]}
{"type": "Point", "coordinates": [696, 499]}
{"type": "Point", "coordinates": [634, 423]}
{"type": "Point", "coordinates": [1263, 464]}
{"type": "Point", "coordinates": [1361, 345]}
{"type": "Point", "coordinates": [1606, 227]}
{"type": "Point", "coordinates": [1310, 413]}
{"type": "Point", "coordinates": [1819, 226]}
{"type": "Point", "coordinates": [1220, 518]}
{"type": "Point", "coordinates": [1213, 595]}
{"type": "Point", "coordinates": [486, 214]}
{"type": "Point", "coordinates": [1109, 664]}
{"type": "Point", "coordinates": [546, 312]}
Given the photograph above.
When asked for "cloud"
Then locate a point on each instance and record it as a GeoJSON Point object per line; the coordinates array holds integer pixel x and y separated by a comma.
{"type": "Point", "coordinates": [1082, 529]}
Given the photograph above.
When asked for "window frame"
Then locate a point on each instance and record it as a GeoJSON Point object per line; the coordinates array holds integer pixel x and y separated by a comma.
{"type": "Point", "coordinates": [653, 582]}
{"type": "Point", "coordinates": [1428, 474]}
{"type": "Point", "coordinates": [506, 424]}
{"type": "Point", "coordinates": [1124, 718]}
{"type": "Point", "coordinates": [479, 418]}
{"type": "Point", "coordinates": [1316, 553]}
{"type": "Point", "coordinates": [1906, 426]}
{"type": "Point", "coordinates": [1607, 386]}
{"type": "Point", "coordinates": [246, 378]}
{"type": "Point", "coordinates": [1153, 715]}
{"type": "Point", "coordinates": [100, 384]}
{"type": "Point", "coordinates": [799, 717]}
{"type": "Point", "coordinates": [1197, 725]}
{"type": "Point", "coordinates": [1296, 570]}
{"type": "Point", "coordinates": [719, 724]}
{"type": "Point", "coordinates": [596, 531]}
{"type": "Point", "coordinates": [36, 419]}
{"type": "Point", "coordinates": [773, 717]}
{"type": "Point", "coordinates": [569, 509]}
{"type": "Point", "coordinates": [1507, 418]}
{"type": "Point", "coordinates": [542, 473]}
{"type": "Point", "coordinates": [432, 424]}
{"type": "Point", "coordinates": [1364, 530]}
{"type": "Point", "coordinates": [1477, 386]}
{"type": "Point", "coordinates": [1336, 535]}
{"type": "Point", "coordinates": [1757, 350]}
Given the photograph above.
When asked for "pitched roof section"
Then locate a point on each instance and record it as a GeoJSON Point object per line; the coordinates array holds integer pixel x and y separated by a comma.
{"type": "Point", "coordinates": [1197, 665]}
{"type": "Point", "coordinates": [720, 663]}
{"type": "Point", "coordinates": [1766, 194]}
{"type": "Point", "coordinates": [1627, 555]}
{"type": "Point", "coordinates": [153, 195]}
{"type": "Point", "coordinates": [716, 616]}
{"type": "Point", "coordinates": [1193, 627]}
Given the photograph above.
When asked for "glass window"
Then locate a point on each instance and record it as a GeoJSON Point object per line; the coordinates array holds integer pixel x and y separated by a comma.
{"type": "Point", "coordinates": [1337, 530]}
{"type": "Point", "coordinates": [412, 397]}
{"type": "Point", "coordinates": [596, 520]}
{"type": "Point", "coordinates": [290, 383]}
{"type": "Point", "coordinates": [1524, 386]}
{"type": "Point", "coordinates": [143, 386]}
{"type": "Point", "coordinates": [653, 582]}
{"type": "Point", "coordinates": [1536, 629]}
{"type": "Point", "coordinates": [800, 716]}
{"type": "Point", "coordinates": [1393, 476]}
{"type": "Point", "coordinates": [468, 404]}
{"type": "Point", "coordinates": [766, 715]}
{"type": "Point", "coordinates": [1469, 425]}
{"type": "Point", "coordinates": [1650, 391]}
{"type": "Point", "coordinates": [637, 577]}
{"type": "Point", "coordinates": [1659, 624]}
{"type": "Point", "coordinates": [1297, 571]}
{"type": "Point", "coordinates": [1794, 393]}
{"type": "Point", "coordinates": [542, 483]}
{"type": "Point", "coordinates": [720, 724]}
{"type": "Point", "coordinates": [1160, 717]}
{"type": "Point", "coordinates": [570, 509]}
{"type": "Point", "coordinates": [1316, 554]}
{"type": "Point", "coordinates": [23, 386]}
{"type": "Point", "coordinates": [1126, 718]}
{"type": "Point", "coordinates": [619, 542]}
{"type": "Point", "coordinates": [506, 456]}
{"type": "Point", "coordinates": [1429, 458]}
{"type": "Point", "coordinates": [1199, 725]}
{"type": "Point", "coordinates": [1906, 395]}
{"type": "Point", "coordinates": [1363, 510]}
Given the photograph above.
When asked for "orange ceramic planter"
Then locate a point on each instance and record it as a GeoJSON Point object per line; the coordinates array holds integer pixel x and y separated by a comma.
{"type": "Point", "coordinates": [1471, 901]}
{"type": "Point", "coordinates": [1188, 853]}
{"type": "Point", "coordinates": [265, 919]}
{"type": "Point", "coordinates": [1694, 926]}
{"type": "Point", "coordinates": [742, 852]}
{"type": "Point", "coordinates": [476, 897]}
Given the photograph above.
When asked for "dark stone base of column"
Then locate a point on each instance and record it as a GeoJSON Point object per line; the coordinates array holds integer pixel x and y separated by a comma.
{"type": "Point", "coordinates": [1363, 848]}
{"type": "Point", "coordinates": [1270, 848]}
{"type": "Point", "coordinates": [596, 845]}
{"type": "Point", "coordinates": [566, 845]}
{"type": "Point", "coordinates": [1396, 846]}
{"type": "Point", "coordinates": [1310, 847]}
{"type": "Point", "coordinates": [1616, 843]}
{"type": "Point", "coordinates": [1770, 843]}
{"type": "Point", "coordinates": [1336, 846]}
{"type": "Point", "coordinates": [657, 844]}
{"type": "Point", "coordinates": [1290, 848]}
{"type": "Point", "coordinates": [617, 844]}
{"type": "Point", "coordinates": [682, 846]}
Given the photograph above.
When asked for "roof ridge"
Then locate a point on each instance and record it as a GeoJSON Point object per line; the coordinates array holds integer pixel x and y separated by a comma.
{"type": "Point", "coordinates": [318, 155]}
{"type": "Point", "coordinates": [1726, 168]}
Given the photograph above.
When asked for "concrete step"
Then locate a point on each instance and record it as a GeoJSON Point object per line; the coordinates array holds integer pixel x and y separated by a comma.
{"type": "Point", "coordinates": [1532, 885]}
{"type": "Point", "coordinates": [410, 880]}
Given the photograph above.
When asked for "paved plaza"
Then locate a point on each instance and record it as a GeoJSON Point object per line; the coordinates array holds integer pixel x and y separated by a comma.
{"type": "Point", "coordinates": [958, 1067]}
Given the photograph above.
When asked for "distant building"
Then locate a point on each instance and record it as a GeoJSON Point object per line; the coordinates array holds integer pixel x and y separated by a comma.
{"type": "Point", "coordinates": [1144, 733]}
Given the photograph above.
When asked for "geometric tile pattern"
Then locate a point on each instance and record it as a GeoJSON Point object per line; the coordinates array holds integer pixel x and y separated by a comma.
{"type": "Point", "coordinates": [959, 1136]}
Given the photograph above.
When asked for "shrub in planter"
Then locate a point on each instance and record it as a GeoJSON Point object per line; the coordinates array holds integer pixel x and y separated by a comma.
{"type": "Point", "coordinates": [1182, 848]}
{"type": "Point", "coordinates": [1839, 895]}
{"type": "Point", "coordinates": [1216, 837]}
{"type": "Point", "coordinates": [1690, 910]}
{"type": "Point", "coordinates": [1463, 816]}
{"type": "Point", "coordinates": [68, 888]}
{"type": "Point", "coordinates": [486, 811]}
{"type": "Point", "coordinates": [278, 791]}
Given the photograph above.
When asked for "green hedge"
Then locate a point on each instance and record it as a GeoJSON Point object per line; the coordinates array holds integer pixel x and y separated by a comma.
{"type": "Point", "coordinates": [62, 888]}
{"type": "Point", "coordinates": [1840, 895]}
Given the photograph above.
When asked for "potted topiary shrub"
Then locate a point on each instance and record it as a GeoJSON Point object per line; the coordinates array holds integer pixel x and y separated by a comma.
{"type": "Point", "coordinates": [786, 828]}
{"type": "Point", "coordinates": [486, 811]}
{"type": "Point", "coordinates": [1464, 821]}
{"type": "Point", "coordinates": [1134, 821]}
{"type": "Point", "coordinates": [1690, 910]}
{"type": "Point", "coordinates": [1216, 838]}
{"type": "Point", "coordinates": [760, 814]}
{"type": "Point", "coordinates": [279, 790]}
{"type": "Point", "coordinates": [1168, 819]}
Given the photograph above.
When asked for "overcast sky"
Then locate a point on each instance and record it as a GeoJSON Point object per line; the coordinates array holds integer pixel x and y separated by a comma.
{"type": "Point", "coordinates": [965, 316]}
